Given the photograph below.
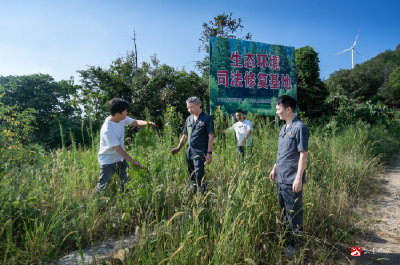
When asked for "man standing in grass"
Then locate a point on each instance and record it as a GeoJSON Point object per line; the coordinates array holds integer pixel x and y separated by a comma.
{"type": "Point", "coordinates": [199, 129]}
{"type": "Point", "coordinates": [244, 130]}
{"type": "Point", "coordinates": [289, 169]}
{"type": "Point", "coordinates": [112, 157]}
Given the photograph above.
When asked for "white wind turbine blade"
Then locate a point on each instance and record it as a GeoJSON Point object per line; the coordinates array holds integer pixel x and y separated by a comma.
{"type": "Point", "coordinates": [356, 38]}
{"type": "Point", "coordinates": [359, 54]}
{"type": "Point", "coordinates": [343, 51]}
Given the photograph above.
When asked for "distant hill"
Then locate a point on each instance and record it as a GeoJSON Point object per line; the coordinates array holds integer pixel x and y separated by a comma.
{"type": "Point", "coordinates": [372, 80]}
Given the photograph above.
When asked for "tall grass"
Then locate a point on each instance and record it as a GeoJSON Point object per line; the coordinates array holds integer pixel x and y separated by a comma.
{"type": "Point", "coordinates": [48, 209]}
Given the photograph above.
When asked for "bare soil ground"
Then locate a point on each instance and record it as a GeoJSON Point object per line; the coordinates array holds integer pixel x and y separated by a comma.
{"type": "Point", "coordinates": [381, 244]}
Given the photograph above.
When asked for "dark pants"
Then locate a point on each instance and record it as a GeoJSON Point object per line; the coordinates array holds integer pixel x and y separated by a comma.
{"type": "Point", "coordinates": [196, 172]}
{"type": "Point", "coordinates": [291, 206]}
{"type": "Point", "coordinates": [245, 149]}
{"type": "Point", "coordinates": [108, 171]}
{"type": "Point", "coordinates": [241, 151]}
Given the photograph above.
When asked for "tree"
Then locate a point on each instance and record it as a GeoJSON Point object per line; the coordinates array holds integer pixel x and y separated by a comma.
{"type": "Point", "coordinates": [220, 56]}
{"type": "Point", "coordinates": [175, 87]}
{"type": "Point", "coordinates": [292, 64]}
{"type": "Point", "coordinates": [369, 80]}
{"type": "Point", "coordinates": [223, 26]}
{"type": "Point", "coordinates": [395, 79]}
{"type": "Point", "coordinates": [149, 88]}
{"type": "Point", "coordinates": [390, 91]}
{"type": "Point", "coordinates": [51, 101]}
{"type": "Point", "coordinates": [281, 51]}
{"type": "Point", "coordinates": [39, 92]}
{"type": "Point", "coordinates": [311, 91]}
{"type": "Point", "coordinates": [100, 85]}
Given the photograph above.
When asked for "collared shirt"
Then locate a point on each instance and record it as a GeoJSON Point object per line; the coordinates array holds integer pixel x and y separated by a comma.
{"type": "Point", "coordinates": [291, 142]}
{"type": "Point", "coordinates": [197, 133]}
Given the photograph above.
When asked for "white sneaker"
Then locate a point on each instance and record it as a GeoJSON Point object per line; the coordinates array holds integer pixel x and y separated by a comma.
{"type": "Point", "coordinates": [290, 251]}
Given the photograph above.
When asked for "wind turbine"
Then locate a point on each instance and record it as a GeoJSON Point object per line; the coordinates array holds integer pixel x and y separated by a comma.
{"type": "Point", "coordinates": [352, 51]}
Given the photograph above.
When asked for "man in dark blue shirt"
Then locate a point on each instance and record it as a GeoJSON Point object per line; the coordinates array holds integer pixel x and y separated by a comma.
{"type": "Point", "coordinates": [199, 129]}
{"type": "Point", "coordinates": [289, 169]}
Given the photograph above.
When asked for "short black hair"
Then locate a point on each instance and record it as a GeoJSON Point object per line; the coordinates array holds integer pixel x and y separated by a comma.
{"type": "Point", "coordinates": [240, 111]}
{"type": "Point", "coordinates": [117, 105]}
{"type": "Point", "coordinates": [287, 101]}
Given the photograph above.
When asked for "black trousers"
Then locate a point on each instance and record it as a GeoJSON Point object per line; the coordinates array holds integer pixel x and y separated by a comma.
{"type": "Point", "coordinates": [107, 172]}
{"type": "Point", "coordinates": [196, 172]}
{"type": "Point", "coordinates": [291, 205]}
{"type": "Point", "coordinates": [243, 150]}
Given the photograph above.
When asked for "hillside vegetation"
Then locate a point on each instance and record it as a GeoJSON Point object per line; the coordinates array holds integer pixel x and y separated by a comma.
{"type": "Point", "coordinates": [378, 79]}
{"type": "Point", "coordinates": [47, 207]}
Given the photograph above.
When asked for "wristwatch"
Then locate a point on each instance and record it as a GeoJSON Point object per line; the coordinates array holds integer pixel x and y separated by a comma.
{"type": "Point", "coordinates": [209, 152]}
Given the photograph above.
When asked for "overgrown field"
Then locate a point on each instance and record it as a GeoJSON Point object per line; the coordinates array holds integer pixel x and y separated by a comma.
{"type": "Point", "coordinates": [47, 207]}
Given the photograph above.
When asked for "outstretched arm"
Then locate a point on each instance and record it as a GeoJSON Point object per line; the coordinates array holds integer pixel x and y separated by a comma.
{"type": "Point", "coordinates": [127, 157]}
{"type": "Point", "coordinates": [181, 144]}
{"type": "Point", "coordinates": [139, 123]}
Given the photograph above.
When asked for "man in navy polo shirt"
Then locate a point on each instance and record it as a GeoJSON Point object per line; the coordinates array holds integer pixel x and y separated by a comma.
{"type": "Point", "coordinates": [289, 169]}
{"type": "Point", "coordinates": [199, 129]}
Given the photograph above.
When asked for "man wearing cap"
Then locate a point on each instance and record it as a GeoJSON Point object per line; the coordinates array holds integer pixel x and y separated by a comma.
{"type": "Point", "coordinates": [199, 129]}
{"type": "Point", "coordinates": [289, 169]}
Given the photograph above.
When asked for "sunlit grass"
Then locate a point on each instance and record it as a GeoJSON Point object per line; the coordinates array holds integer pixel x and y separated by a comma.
{"type": "Point", "coordinates": [48, 209]}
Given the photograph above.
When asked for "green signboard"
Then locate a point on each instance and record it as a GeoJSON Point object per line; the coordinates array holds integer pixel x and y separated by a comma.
{"type": "Point", "coordinates": [250, 75]}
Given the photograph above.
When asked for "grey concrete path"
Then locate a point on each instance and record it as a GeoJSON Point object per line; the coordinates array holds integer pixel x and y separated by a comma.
{"type": "Point", "coordinates": [107, 250]}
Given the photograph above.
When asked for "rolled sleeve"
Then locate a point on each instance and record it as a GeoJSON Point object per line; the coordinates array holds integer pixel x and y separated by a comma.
{"type": "Point", "coordinates": [302, 139]}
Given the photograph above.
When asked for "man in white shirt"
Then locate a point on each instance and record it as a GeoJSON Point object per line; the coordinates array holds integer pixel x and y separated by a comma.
{"type": "Point", "coordinates": [112, 157]}
{"type": "Point", "coordinates": [244, 130]}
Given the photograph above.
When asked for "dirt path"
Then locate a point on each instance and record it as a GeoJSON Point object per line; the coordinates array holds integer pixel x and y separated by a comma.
{"type": "Point", "coordinates": [384, 213]}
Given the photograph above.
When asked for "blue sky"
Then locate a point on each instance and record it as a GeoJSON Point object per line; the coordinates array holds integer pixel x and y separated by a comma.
{"type": "Point", "coordinates": [60, 37]}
